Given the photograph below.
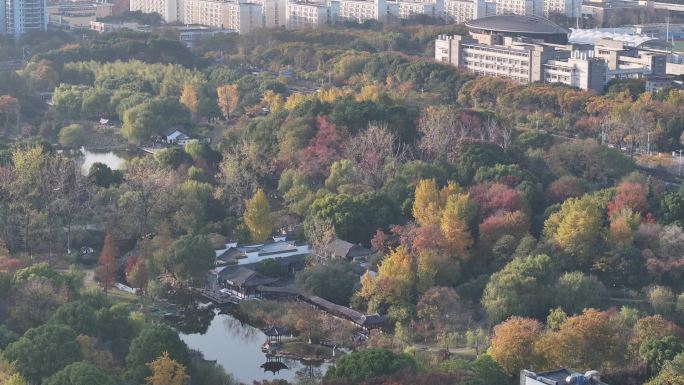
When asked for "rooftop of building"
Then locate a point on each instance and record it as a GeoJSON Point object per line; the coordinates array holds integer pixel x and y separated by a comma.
{"type": "Point", "coordinates": [564, 376]}
{"type": "Point", "coordinates": [625, 35]}
{"type": "Point", "coordinates": [517, 24]}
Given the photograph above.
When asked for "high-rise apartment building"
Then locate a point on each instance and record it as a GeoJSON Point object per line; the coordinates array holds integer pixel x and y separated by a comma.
{"type": "Point", "coordinates": [520, 7]}
{"type": "Point", "coordinates": [363, 10]}
{"type": "Point", "coordinates": [274, 13]}
{"type": "Point", "coordinates": [405, 9]}
{"type": "Point", "coordinates": [170, 10]}
{"type": "Point", "coordinates": [460, 11]}
{"type": "Point", "coordinates": [568, 8]}
{"type": "Point", "coordinates": [241, 17]}
{"type": "Point", "coordinates": [307, 14]}
{"type": "Point", "coordinates": [21, 16]}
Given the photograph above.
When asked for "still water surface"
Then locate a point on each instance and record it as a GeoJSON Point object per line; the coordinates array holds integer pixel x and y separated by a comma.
{"type": "Point", "coordinates": [114, 159]}
{"type": "Point", "coordinates": [237, 347]}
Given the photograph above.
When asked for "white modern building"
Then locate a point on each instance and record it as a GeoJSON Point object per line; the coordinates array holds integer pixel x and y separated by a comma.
{"type": "Point", "coordinates": [568, 8]}
{"type": "Point", "coordinates": [520, 7]}
{"type": "Point", "coordinates": [582, 70]}
{"type": "Point", "coordinates": [532, 52]}
{"type": "Point", "coordinates": [274, 13]}
{"type": "Point", "coordinates": [21, 16]}
{"type": "Point", "coordinates": [404, 9]}
{"type": "Point", "coordinates": [305, 14]}
{"type": "Point", "coordinates": [363, 10]}
{"type": "Point", "coordinates": [238, 16]}
{"type": "Point", "coordinates": [170, 10]}
{"type": "Point", "coordinates": [460, 11]}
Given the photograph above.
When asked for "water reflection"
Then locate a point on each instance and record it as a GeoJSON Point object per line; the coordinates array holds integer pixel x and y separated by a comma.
{"type": "Point", "coordinates": [114, 159]}
{"type": "Point", "coordinates": [236, 346]}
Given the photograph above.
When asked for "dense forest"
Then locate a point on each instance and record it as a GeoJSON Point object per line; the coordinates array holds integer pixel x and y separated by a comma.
{"type": "Point", "coordinates": [516, 220]}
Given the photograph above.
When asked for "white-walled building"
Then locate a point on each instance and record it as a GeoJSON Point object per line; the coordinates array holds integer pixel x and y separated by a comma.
{"type": "Point", "coordinates": [532, 52]}
{"type": "Point", "coordinates": [363, 10]}
{"type": "Point", "coordinates": [520, 7]}
{"type": "Point", "coordinates": [206, 12]}
{"type": "Point", "coordinates": [20, 16]}
{"type": "Point", "coordinates": [274, 13]}
{"type": "Point", "coordinates": [168, 9]}
{"type": "Point", "coordinates": [568, 8]}
{"type": "Point", "coordinates": [405, 9]}
{"type": "Point", "coordinates": [460, 11]}
{"type": "Point", "coordinates": [304, 14]}
{"type": "Point", "coordinates": [582, 70]}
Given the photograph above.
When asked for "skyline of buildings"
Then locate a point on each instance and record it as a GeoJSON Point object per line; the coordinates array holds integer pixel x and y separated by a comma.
{"type": "Point", "coordinates": [20, 16]}
{"type": "Point", "coordinates": [299, 13]}
{"type": "Point", "coordinates": [534, 55]}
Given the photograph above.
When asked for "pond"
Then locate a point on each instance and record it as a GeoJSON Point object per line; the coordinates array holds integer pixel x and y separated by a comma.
{"type": "Point", "coordinates": [112, 158]}
{"type": "Point", "coordinates": [236, 346]}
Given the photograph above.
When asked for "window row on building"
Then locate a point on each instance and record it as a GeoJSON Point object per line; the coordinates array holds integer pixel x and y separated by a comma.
{"type": "Point", "coordinates": [527, 60]}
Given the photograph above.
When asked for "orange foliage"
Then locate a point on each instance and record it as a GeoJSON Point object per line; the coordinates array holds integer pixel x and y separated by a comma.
{"type": "Point", "coordinates": [513, 342]}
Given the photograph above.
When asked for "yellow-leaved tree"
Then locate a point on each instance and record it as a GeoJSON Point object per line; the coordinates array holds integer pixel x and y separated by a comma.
{"type": "Point", "coordinates": [228, 99]}
{"type": "Point", "coordinates": [394, 285]}
{"type": "Point", "coordinates": [426, 204]}
{"type": "Point", "coordinates": [258, 217]}
{"type": "Point", "coordinates": [190, 98]}
{"type": "Point", "coordinates": [458, 212]}
{"type": "Point", "coordinates": [273, 100]}
{"type": "Point", "coordinates": [576, 227]}
{"type": "Point", "coordinates": [166, 371]}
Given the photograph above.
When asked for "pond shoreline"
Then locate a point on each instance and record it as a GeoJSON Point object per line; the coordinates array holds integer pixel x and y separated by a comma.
{"type": "Point", "coordinates": [235, 341]}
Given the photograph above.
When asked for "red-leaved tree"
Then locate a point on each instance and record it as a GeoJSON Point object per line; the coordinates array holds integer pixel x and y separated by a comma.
{"type": "Point", "coordinates": [136, 273]}
{"type": "Point", "coordinates": [108, 265]}
{"type": "Point", "coordinates": [629, 195]}
{"type": "Point", "coordinates": [324, 149]}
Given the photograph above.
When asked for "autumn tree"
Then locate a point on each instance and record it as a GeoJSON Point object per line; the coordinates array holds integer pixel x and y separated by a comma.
{"type": "Point", "coordinates": [623, 227]}
{"type": "Point", "coordinates": [326, 147]}
{"type": "Point", "coordinates": [10, 110]}
{"type": "Point", "coordinates": [515, 223]}
{"type": "Point", "coordinates": [654, 328]}
{"type": "Point", "coordinates": [228, 99]}
{"type": "Point", "coordinates": [166, 371]}
{"type": "Point", "coordinates": [273, 100]}
{"type": "Point", "coordinates": [395, 285]}
{"type": "Point", "coordinates": [190, 98]}
{"type": "Point", "coordinates": [9, 375]}
{"type": "Point", "coordinates": [258, 216]}
{"type": "Point", "coordinates": [629, 195]}
{"type": "Point", "coordinates": [576, 227]}
{"type": "Point", "coordinates": [426, 204]}
{"type": "Point", "coordinates": [512, 344]}
{"type": "Point", "coordinates": [136, 272]}
{"type": "Point", "coordinates": [563, 188]}
{"type": "Point", "coordinates": [593, 339]}
{"type": "Point", "coordinates": [108, 265]}
{"type": "Point", "coordinates": [671, 374]}
{"type": "Point", "coordinates": [440, 308]}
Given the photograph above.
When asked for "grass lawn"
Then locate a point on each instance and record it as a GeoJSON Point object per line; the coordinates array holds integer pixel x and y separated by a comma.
{"type": "Point", "coordinates": [122, 296]}
{"type": "Point", "coordinates": [679, 45]}
{"type": "Point", "coordinates": [303, 349]}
